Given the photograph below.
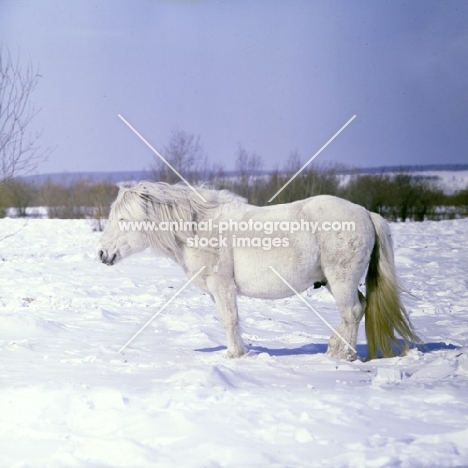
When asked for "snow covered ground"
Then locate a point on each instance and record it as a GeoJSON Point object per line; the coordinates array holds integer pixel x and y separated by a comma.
{"type": "Point", "coordinates": [68, 399]}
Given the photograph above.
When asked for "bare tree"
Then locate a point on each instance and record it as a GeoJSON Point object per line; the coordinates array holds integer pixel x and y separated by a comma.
{"type": "Point", "coordinates": [19, 146]}
{"type": "Point", "coordinates": [185, 154]}
{"type": "Point", "coordinates": [293, 163]}
{"type": "Point", "coordinates": [248, 166]}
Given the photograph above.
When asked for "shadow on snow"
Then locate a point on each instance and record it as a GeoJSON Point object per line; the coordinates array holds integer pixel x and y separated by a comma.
{"type": "Point", "coordinates": [321, 348]}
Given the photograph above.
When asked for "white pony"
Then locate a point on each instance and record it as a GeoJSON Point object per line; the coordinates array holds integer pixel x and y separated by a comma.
{"type": "Point", "coordinates": [239, 245]}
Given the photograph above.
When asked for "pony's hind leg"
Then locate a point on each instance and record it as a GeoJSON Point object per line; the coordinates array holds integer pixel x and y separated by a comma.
{"type": "Point", "coordinates": [223, 294]}
{"type": "Point", "coordinates": [351, 304]}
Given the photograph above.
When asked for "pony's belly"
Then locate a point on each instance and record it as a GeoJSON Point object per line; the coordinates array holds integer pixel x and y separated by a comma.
{"type": "Point", "coordinates": [257, 275]}
{"type": "Point", "coordinates": [271, 286]}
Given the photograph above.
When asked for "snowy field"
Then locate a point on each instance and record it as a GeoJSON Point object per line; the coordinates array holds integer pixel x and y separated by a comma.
{"type": "Point", "coordinates": [68, 399]}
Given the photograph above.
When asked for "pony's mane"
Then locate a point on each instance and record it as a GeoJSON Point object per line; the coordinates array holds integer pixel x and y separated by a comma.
{"type": "Point", "coordinates": [162, 202]}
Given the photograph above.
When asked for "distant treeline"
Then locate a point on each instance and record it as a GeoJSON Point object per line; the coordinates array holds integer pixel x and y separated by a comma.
{"type": "Point", "coordinates": [82, 199]}
{"type": "Point", "coordinates": [396, 197]}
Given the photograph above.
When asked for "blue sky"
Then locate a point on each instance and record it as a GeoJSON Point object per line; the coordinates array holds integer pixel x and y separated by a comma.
{"type": "Point", "coordinates": [273, 76]}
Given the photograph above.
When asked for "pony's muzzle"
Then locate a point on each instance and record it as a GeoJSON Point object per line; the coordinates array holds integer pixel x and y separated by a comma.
{"type": "Point", "coordinates": [106, 259]}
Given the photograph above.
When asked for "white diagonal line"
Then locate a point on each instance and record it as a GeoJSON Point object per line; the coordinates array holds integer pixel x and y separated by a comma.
{"type": "Point", "coordinates": [160, 310]}
{"type": "Point", "coordinates": [159, 156]}
{"type": "Point", "coordinates": [313, 157]}
{"type": "Point", "coordinates": [311, 308]}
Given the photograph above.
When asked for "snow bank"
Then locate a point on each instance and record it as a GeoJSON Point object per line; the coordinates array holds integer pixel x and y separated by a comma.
{"type": "Point", "coordinates": [172, 399]}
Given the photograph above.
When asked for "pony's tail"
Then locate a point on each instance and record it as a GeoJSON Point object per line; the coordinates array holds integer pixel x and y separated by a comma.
{"type": "Point", "coordinates": [385, 313]}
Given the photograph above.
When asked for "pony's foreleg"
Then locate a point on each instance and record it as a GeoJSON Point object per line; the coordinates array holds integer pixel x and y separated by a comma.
{"type": "Point", "coordinates": [351, 305]}
{"type": "Point", "coordinates": [224, 295]}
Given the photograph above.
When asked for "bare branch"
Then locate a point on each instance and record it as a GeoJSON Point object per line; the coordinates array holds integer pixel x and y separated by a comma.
{"type": "Point", "coordinates": [19, 147]}
{"type": "Point", "coordinates": [184, 152]}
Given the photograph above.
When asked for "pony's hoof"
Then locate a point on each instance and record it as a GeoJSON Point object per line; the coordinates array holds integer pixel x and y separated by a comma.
{"type": "Point", "coordinates": [345, 355]}
{"type": "Point", "coordinates": [230, 354]}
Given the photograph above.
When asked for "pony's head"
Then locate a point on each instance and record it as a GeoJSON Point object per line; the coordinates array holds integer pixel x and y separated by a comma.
{"type": "Point", "coordinates": [125, 232]}
{"type": "Point", "coordinates": [136, 213]}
